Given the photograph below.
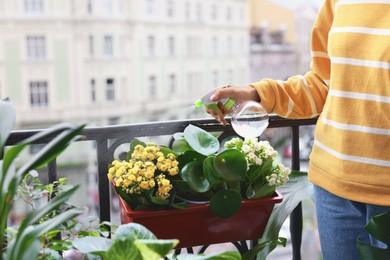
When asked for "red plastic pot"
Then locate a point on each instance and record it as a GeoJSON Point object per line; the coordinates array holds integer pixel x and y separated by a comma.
{"type": "Point", "coordinates": [196, 225]}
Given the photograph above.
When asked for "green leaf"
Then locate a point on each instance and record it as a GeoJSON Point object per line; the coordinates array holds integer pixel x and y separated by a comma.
{"type": "Point", "coordinates": [200, 140]}
{"type": "Point", "coordinates": [180, 146]}
{"type": "Point", "coordinates": [19, 248]}
{"type": "Point", "coordinates": [229, 255]}
{"type": "Point", "coordinates": [158, 201]}
{"type": "Point", "coordinates": [266, 168]}
{"type": "Point", "coordinates": [263, 191]}
{"type": "Point", "coordinates": [91, 244]}
{"type": "Point", "coordinates": [231, 165]}
{"type": "Point", "coordinates": [192, 173]}
{"type": "Point", "coordinates": [36, 215]}
{"type": "Point", "coordinates": [251, 254]}
{"type": "Point", "coordinates": [225, 203]}
{"type": "Point", "coordinates": [190, 156]}
{"type": "Point", "coordinates": [297, 189]}
{"type": "Point", "coordinates": [133, 231]}
{"type": "Point", "coordinates": [211, 174]}
{"type": "Point", "coordinates": [166, 151]}
{"type": "Point", "coordinates": [378, 227]}
{"type": "Point", "coordinates": [122, 250]}
{"type": "Point", "coordinates": [155, 249]}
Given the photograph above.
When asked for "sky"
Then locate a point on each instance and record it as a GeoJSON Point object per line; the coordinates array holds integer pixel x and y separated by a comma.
{"type": "Point", "coordinates": [296, 3]}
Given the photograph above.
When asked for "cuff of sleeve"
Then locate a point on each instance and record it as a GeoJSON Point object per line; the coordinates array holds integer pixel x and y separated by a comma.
{"type": "Point", "coordinates": [266, 94]}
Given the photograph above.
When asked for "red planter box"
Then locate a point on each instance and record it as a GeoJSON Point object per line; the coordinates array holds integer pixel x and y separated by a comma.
{"type": "Point", "coordinates": [196, 225]}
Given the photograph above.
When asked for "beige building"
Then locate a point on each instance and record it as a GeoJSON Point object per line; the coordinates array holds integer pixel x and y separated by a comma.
{"type": "Point", "coordinates": [280, 39]}
{"type": "Point", "coordinates": [118, 61]}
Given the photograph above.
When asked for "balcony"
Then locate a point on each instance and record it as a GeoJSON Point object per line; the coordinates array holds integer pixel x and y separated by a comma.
{"type": "Point", "coordinates": [107, 140]}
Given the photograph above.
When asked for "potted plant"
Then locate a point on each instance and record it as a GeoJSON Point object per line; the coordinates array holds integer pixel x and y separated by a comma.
{"type": "Point", "coordinates": [237, 185]}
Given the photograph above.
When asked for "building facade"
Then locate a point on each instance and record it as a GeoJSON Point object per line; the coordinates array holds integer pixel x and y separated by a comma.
{"type": "Point", "coordinates": [116, 61]}
{"type": "Point", "coordinates": [280, 39]}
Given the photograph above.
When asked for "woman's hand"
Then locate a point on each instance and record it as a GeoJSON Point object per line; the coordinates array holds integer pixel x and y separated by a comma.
{"type": "Point", "coordinates": [239, 93]}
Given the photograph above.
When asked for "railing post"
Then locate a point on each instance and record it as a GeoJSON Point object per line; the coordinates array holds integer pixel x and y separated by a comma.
{"type": "Point", "coordinates": [296, 222]}
{"type": "Point", "coordinates": [104, 189]}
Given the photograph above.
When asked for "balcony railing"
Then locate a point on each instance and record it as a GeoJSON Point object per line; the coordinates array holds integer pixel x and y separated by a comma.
{"type": "Point", "coordinates": [109, 138]}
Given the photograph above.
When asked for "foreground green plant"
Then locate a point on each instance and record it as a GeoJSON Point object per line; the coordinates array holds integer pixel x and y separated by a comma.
{"type": "Point", "coordinates": [134, 241]}
{"type": "Point", "coordinates": [25, 244]}
{"type": "Point", "coordinates": [378, 227]}
{"type": "Point", "coordinates": [296, 190]}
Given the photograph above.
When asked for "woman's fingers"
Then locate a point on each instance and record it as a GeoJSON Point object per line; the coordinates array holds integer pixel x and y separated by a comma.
{"type": "Point", "coordinates": [218, 113]}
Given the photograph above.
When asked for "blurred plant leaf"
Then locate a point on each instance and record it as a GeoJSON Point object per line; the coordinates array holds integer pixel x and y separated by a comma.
{"type": "Point", "coordinates": [378, 227]}
{"type": "Point", "coordinates": [297, 189]}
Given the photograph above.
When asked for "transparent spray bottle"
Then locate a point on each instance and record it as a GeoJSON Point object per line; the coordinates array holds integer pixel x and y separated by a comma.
{"type": "Point", "coordinates": [249, 119]}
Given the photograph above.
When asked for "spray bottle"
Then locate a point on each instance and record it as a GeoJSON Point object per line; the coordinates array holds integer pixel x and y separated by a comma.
{"type": "Point", "coordinates": [205, 101]}
{"type": "Point", "coordinates": [249, 119]}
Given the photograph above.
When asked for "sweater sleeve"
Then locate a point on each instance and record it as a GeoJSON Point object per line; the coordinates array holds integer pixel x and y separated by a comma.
{"type": "Point", "coordinates": [303, 96]}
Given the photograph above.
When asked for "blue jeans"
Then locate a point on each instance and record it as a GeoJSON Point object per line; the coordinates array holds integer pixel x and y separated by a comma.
{"type": "Point", "coordinates": [340, 222]}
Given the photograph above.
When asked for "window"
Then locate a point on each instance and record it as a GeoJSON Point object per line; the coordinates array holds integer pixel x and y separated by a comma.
{"type": "Point", "coordinates": [36, 48]}
{"type": "Point", "coordinates": [229, 45]}
{"type": "Point", "coordinates": [172, 83]}
{"type": "Point", "coordinates": [187, 11]}
{"type": "Point", "coordinates": [229, 13]}
{"type": "Point", "coordinates": [199, 11]}
{"type": "Point", "coordinates": [107, 6]}
{"type": "Point", "coordinates": [38, 94]}
{"type": "Point", "coordinates": [214, 14]}
{"type": "Point", "coordinates": [33, 6]}
{"type": "Point", "coordinates": [93, 90]}
{"type": "Point", "coordinates": [91, 46]}
{"type": "Point", "coordinates": [152, 87]}
{"type": "Point", "coordinates": [242, 14]}
{"type": "Point", "coordinates": [108, 48]}
{"type": "Point", "coordinates": [149, 8]}
{"type": "Point", "coordinates": [89, 6]}
{"type": "Point", "coordinates": [151, 46]}
{"type": "Point", "coordinates": [170, 8]}
{"type": "Point", "coordinates": [214, 45]}
{"type": "Point", "coordinates": [110, 90]}
{"type": "Point", "coordinates": [171, 46]}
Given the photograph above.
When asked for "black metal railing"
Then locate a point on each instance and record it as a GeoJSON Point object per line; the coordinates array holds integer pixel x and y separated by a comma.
{"type": "Point", "coordinates": [109, 138]}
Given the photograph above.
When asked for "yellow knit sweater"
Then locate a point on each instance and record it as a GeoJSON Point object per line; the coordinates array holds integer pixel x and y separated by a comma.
{"type": "Point", "coordinates": [349, 88]}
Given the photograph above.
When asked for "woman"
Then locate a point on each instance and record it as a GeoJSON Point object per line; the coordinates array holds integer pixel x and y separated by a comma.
{"type": "Point", "coordinates": [348, 87]}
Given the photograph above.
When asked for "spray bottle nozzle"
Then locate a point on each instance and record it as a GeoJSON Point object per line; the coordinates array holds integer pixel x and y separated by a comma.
{"type": "Point", "coordinates": [198, 103]}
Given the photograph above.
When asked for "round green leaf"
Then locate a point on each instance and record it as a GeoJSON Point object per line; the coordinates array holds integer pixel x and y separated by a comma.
{"type": "Point", "coordinates": [180, 146]}
{"type": "Point", "coordinates": [190, 156]}
{"type": "Point", "coordinates": [231, 165]}
{"type": "Point", "coordinates": [200, 140]}
{"type": "Point", "coordinates": [133, 231]}
{"type": "Point", "coordinates": [192, 173]}
{"type": "Point", "coordinates": [225, 203]}
{"type": "Point", "coordinates": [208, 169]}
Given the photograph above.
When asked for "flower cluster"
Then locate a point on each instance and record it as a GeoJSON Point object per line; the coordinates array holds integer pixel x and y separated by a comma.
{"type": "Point", "coordinates": [148, 169]}
{"type": "Point", "coordinates": [258, 152]}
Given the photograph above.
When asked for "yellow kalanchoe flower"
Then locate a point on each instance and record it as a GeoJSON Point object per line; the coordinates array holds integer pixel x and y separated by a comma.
{"type": "Point", "coordinates": [148, 168]}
